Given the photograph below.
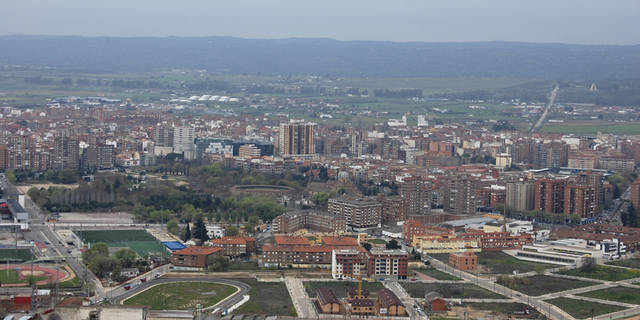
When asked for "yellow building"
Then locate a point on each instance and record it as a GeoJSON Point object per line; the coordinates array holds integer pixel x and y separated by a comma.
{"type": "Point", "coordinates": [445, 243]}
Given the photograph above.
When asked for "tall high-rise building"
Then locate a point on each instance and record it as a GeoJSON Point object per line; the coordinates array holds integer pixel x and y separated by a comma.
{"type": "Point", "coordinates": [415, 195]}
{"type": "Point", "coordinates": [297, 138]}
{"type": "Point", "coordinates": [549, 195]}
{"type": "Point", "coordinates": [97, 157]}
{"type": "Point", "coordinates": [163, 135]}
{"type": "Point", "coordinates": [359, 213]}
{"type": "Point", "coordinates": [66, 153]}
{"type": "Point", "coordinates": [183, 142]}
{"type": "Point", "coordinates": [635, 194]}
{"type": "Point", "coordinates": [460, 194]}
{"type": "Point", "coordinates": [581, 200]}
{"type": "Point", "coordinates": [520, 196]}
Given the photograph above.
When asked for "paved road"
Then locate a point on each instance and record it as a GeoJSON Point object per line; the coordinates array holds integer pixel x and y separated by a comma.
{"type": "Point", "coordinates": [227, 303]}
{"type": "Point", "coordinates": [407, 301]}
{"type": "Point", "coordinates": [41, 232]}
{"type": "Point", "coordinates": [300, 298]}
{"type": "Point", "coordinates": [543, 117]}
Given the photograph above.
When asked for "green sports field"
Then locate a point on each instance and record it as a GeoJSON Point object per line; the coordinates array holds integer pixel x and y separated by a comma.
{"type": "Point", "coordinates": [138, 240]}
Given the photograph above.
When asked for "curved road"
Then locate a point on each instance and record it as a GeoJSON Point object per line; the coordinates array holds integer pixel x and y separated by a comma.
{"type": "Point", "coordinates": [225, 304]}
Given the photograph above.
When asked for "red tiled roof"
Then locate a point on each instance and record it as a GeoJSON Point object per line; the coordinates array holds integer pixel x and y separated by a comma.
{"type": "Point", "coordinates": [339, 241]}
{"type": "Point", "coordinates": [292, 240]}
{"type": "Point", "coordinates": [197, 251]}
{"type": "Point", "coordinates": [230, 240]}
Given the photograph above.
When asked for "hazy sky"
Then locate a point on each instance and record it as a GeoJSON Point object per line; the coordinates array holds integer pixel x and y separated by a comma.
{"type": "Point", "coordinates": [570, 21]}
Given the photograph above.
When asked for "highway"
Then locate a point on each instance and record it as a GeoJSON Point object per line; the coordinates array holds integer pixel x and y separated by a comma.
{"type": "Point", "coordinates": [225, 304]}
{"type": "Point", "coordinates": [543, 117]}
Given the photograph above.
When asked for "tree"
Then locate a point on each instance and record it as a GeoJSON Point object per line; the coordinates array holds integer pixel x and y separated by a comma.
{"type": "Point", "coordinates": [232, 231]}
{"type": "Point", "coordinates": [252, 222]}
{"type": "Point", "coordinates": [173, 227]}
{"type": "Point", "coordinates": [187, 233]}
{"type": "Point", "coordinates": [588, 265]}
{"type": "Point", "coordinates": [538, 268]}
{"type": "Point", "coordinates": [11, 176]}
{"type": "Point", "coordinates": [97, 250]}
{"type": "Point", "coordinates": [102, 265]}
{"type": "Point", "coordinates": [218, 263]}
{"type": "Point", "coordinates": [393, 244]}
{"type": "Point", "coordinates": [200, 230]}
{"type": "Point", "coordinates": [367, 246]}
{"type": "Point", "coordinates": [125, 257]}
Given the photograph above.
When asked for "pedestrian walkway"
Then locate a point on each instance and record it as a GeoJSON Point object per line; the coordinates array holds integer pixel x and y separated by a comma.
{"type": "Point", "coordinates": [300, 298]}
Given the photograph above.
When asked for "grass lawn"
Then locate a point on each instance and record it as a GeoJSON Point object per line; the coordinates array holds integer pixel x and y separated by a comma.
{"type": "Point", "coordinates": [12, 277]}
{"type": "Point", "coordinates": [271, 298]}
{"type": "Point", "coordinates": [182, 295]}
{"type": "Point", "coordinates": [539, 284]}
{"type": "Point", "coordinates": [435, 273]}
{"type": "Point", "coordinates": [448, 290]}
{"type": "Point", "coordinates": [505, 308]}
{"type": "Point", "coordinates": [501, 263]}
{"type": "Point", "coordinates": [9, 276]}
{"type": "Point", "coordinates": [340, 288]}
{"type": "Point", "coordinates": [377, 241]}
{"type": "Point", "coordinates": [606, 273]}
{"type": "Point", "coordinates": [629, 263]}
{"type": "Point", "coordinates": [580, 309]}
{"type": "Point", "coordinates": [618, 294]}
{"type": "Point", "coordinates": [18, 255]}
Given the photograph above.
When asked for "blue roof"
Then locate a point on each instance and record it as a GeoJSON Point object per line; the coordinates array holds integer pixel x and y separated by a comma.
{"type": "Point", "coordinates": [174, 245]}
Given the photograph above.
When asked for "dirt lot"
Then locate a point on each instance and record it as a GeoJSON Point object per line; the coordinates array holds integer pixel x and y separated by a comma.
{"type": "Point", "coordinates": [25, 188]}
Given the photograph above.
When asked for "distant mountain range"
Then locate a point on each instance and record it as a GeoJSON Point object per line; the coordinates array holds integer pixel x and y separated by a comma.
{"type": "Point", "coordinates": [323, 57]}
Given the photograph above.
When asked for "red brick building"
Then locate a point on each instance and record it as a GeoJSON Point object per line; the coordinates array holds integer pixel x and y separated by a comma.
{"type": "Point", "coordinates": [581, 200]}
{"type": "Point", "coordinates": [549, 195]}
{"type": "Point", "coordinates": [195, 256]}
{"type": "Point", "coordinates": [463, 260]}
{"type": "Point", "coordinates": [235, 246]}
{"type": "Point", "coordinates": [388, 263]}
{"type": "Point", "coordinates": [635, 194]}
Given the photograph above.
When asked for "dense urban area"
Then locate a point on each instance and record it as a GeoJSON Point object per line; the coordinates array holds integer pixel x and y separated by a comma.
{"type": "Point", "coordinates": [188, 194]}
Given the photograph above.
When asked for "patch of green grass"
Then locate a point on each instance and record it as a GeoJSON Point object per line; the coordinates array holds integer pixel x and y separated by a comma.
{"type": "Point", "coordinates": [271, 298]}
{"type": "Point", "coordinates": [12, 277]}
{"type": "Point", "coordinates": [16, 255]}
{"type": "Point", "coordinates": [580, 309]}
{"type": "Point", "coordinates": [377, 241]}
{"type": "Point", "coordinates": [605, 273]}
{"type": "Point", "coordinates": [619, 294]}
{"type": "Point", "coordinates": [539, 284]}
{"type": "Point", "coordinates": [436, 274]}
{"type": "Point", "coordinates": [9, 276]}
{"type": "Point", "coordinates": [505, 308]}
{"type": "Point", "coordinates": [629, 263]}
{"type": "Point", "coordinates": [111, 236]}
{"type": "Point", "coordinates": [182, 295]}
{"type": "Point", "coordinates": [139, 241]}
{"type": "Point", "coordinates": [499, 262]}
{"type": "Point", "coordinates": [449, 290]}
{"type": "Point", "coordinates": [340, 288]}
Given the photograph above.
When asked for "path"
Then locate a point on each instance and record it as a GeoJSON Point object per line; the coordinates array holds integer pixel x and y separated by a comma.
{"type": "Point", "coordinates": [300, 298]}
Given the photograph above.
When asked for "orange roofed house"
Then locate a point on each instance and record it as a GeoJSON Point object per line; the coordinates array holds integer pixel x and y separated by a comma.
{"type": "Point", "coordinates": [235, 246]}
{"type": "Point", "coordinates": [195, 256]}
